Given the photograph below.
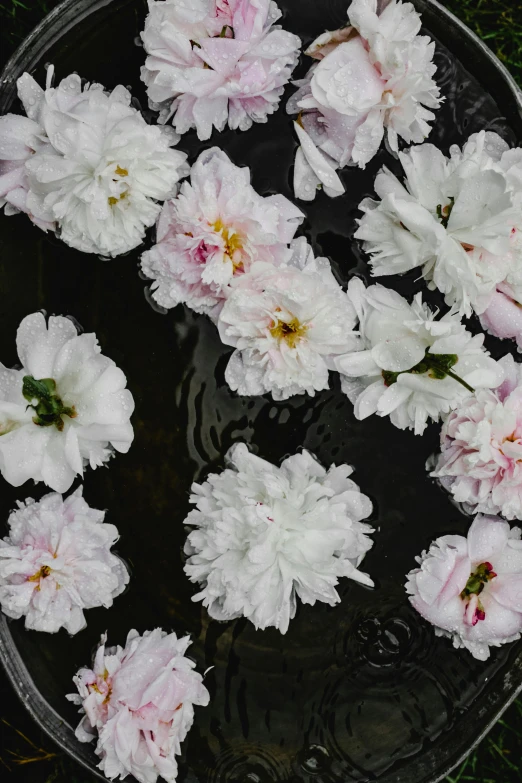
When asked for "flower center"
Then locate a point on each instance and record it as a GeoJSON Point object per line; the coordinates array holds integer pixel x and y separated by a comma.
{"type": "Point", "coordinates": [43, 397]}
{"type": "Point", "coordinates": [233, 242]}
{"type": "Point", "coordinates": [289, 331]}
{"type": "Point", "coordinates": [120, 172]}
{"type": "Point", "coordinates": [443, 213]}
{"type": "Point", "coordinates": [437, 365]}
{"type": "Point", "coordinates": [43, 573]}
{"type": "Point", "coordinates": [478, 579]}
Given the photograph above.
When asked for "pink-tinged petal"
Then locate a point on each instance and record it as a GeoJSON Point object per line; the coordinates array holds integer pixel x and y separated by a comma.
{"type": "Point", "coordinates": [507, 590]}
{"type": "Point", "coordinates": [503, 317]}
{"type": "Point", "coordinates": [321, 167]}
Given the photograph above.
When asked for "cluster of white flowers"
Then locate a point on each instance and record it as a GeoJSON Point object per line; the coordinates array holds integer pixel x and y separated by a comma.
{"type": "Point", "coordinates": [85, 163]}
{"type": "Point", "coordinates": [226, 251]}
{"type": "Point", "coordinates": [216, 62]}
{"type": "Point", "coordinates": [373, 75]}
{"type": "Point", "coordinates": [266, 536]}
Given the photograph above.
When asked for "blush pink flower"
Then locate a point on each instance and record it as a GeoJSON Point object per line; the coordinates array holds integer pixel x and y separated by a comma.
{"type": "Point", "coordinates": [216, 62]}
{"type": "Point", "coordinates": [56, 562]}
{"type": "Point", "coordinates": [375, 75]}
{"type": "Point", "coordinates": [470, 588]}
{"type": "Point", "coordinates": [215, 229]}
{"type": "Point", "coordinates": [503, 315]}
{"type": "Point", "coordinates": [139, 700]}
{"type": "Point", "coordinates": [481, 448]}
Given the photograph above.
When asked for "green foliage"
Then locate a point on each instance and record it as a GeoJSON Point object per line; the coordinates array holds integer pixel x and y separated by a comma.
{"type": "Point", "coordinates": [17, 19]}
{"type": "Point", "coordinates": [499, 23]}
{"type": "Point", "coordinates": [498, 759]}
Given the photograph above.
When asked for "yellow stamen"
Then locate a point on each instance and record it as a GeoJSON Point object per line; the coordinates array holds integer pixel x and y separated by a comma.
{"type": "Point", "coordinates": [113, 200]}
{"type": "Point", "coordinates": [121, 172]}
{"type": "Point", "coordinates": [41, 574]}
{"type": "Point", "coordinates": [232, 239]}
{"type": "Point", "coordinates": [289, 331]}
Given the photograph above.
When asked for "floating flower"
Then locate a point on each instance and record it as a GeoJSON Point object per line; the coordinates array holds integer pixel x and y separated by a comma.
{"type": "Point", "coordinates": [139, 700]}
{"type": "Point", "coordinates": [64, 408]}
{"type": "Point", "coordinates": [458, 218]}
{"type": "Point", "coordinates": [410, 366]}
{"type": "Point", "coordinates": [481, 448]}
{"type": "Point", "coordinates": [287, 324]}
{"type": "Point", "coordinates": [266, 536]}
{"type": "Point", "coordinates": [56, 562]}
{"type": "Point", "coordinates": [86, 164]}
{"type": "Point", "coordinates": [374, 75]}
{"type": "Point", "coordinates": [215, 229]}
{"type": "Point", "coordinates": [469, 588]}
{"type": "Point", "coordinates": [213, 62]}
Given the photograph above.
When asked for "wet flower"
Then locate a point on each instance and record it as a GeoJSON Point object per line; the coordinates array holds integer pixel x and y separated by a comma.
{"type": "Point", "coordinates": [458, 218]}
{"type": "Point", "coordinates": [481, 448]}
{"type": "Point", "coordinates": [85, 163]}
{"type": "Point", "coordinates": [64, 409]}
{"type": "Point", "coordinates": [56, 562]}
{"type": "Point", "coordinates": [287, 324]}
{"type": "Point", "coordinates": [266, 536]}
{"type": "Point", "coordinates": [215, 229]}
{"type": "Point", "coordinates": [216, 62]}
{"type": "Point", "coordinates": [139, 701]}
{"type": "Point", "coordinates": [408, 365]}
{"type": "Point", "coordinates": [375, 75]}
{"type": "Point", "coordinates": [469, 588]}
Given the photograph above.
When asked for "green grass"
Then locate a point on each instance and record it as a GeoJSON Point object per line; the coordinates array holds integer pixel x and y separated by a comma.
{"type": "Point", "coordinates": [499, 757]}
{"type": "Point", "coordinates": [499, 23]}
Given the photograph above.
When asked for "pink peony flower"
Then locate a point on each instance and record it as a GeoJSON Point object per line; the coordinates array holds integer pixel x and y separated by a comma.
{"type": "Point", "coordinates": [470, 588]}
{"type": "Point", "coordinates": [376, 74]}
{"type": "Point", "coordinates": [503, 315]}
{"type": "Point", "coordinates": [140, 701]}
{"type": "Point", "coordinates": [56, 562]}
{"type": "Point", "coordinates": [215, 229]}
{"type": "Point", "coordinates": [481, 448]}
{"type": "Point", "coordinates": [213, 62]}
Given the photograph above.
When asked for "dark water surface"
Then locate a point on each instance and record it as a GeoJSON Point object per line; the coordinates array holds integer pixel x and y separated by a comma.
{"type": "Point", "coordinates": [351, 691]}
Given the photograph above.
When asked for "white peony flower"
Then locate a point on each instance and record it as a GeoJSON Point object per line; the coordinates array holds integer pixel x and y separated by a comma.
{"type": "Point", "coordinates": [216, 62]}
{"type": "Point", "coordinates": [373, 76]}
{"type": "Point", "coordinates": [139, 701]}
{"type": "Point", "coordinates": [215, 229]}
{"type": "Point", "coordinates": [457, 218]}
{"type": "Point", "coordinates": [410, 366]}
{"type": "Point", "coordinates": [469, 588]}
{"type": "Point", "coordinates": [287, 324]}
{"type": "Point", "coordinates": [266, 536]}
{"type": "Point", "coordinates": [86, 163]}
{"type": "Point", "coordinates": [56, 562]}
{"type": "Point", "coordinates": [64, 408]}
